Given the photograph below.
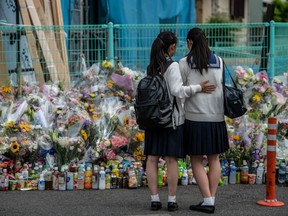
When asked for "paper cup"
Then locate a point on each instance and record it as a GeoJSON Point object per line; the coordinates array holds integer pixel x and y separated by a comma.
{"type": "Point", "coordinates": [252, 178]}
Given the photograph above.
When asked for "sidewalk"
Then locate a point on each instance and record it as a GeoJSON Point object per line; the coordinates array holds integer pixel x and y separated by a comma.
{"type": "Point", "coordinates": [231, 200]}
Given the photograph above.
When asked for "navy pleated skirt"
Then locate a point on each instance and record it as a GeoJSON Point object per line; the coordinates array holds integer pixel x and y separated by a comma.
{"type": "Point", "coordinates": [164, 142]}
{"type": "Point", "coordinates": [205, 138]}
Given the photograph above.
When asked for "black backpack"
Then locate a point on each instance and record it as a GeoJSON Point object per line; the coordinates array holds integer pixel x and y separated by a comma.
{"type": "Point", "coordinates": [153, 107]}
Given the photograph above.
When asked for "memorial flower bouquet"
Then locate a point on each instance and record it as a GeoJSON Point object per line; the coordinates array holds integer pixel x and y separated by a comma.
{"type": "Point", "coordinates": [105, 125]}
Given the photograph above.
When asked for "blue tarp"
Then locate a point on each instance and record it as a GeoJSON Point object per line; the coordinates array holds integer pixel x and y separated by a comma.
{"type": "Point", "coordinates": [146, 12]}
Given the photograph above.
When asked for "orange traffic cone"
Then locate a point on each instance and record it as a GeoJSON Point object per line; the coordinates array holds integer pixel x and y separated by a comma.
{"type": "Point", "coordinates": [271, 166]}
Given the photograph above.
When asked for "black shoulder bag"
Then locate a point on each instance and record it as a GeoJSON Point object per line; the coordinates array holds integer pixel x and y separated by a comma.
{"type": "Point", "coordinates": [234, 104]}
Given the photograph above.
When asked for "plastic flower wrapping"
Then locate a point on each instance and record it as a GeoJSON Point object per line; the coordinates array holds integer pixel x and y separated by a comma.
{"type": "Point", "coordinates": [94, 119]}
{"type": "Point", "coordinates": [91, 121]}
{"type": "Point", "coordinates": [248, 134]}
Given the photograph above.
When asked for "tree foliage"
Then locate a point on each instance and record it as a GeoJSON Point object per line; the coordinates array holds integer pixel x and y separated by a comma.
{"type": "Point", "coordinates": [280, 11]}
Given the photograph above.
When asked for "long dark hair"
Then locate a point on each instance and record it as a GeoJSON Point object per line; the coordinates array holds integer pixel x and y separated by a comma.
{"type": "Point", "coordinates": [159, 52]}
{"type": "Point", "coordinates": [199, 54]}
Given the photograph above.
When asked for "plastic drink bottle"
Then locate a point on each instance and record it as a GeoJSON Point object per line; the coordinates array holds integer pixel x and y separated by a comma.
{"type": "Point", "coordinates": [62, 179]}
{"type": "Point", "coordinates": [132, 178]}
{"type": "Point", "coordinates": [41, 183]}
{"type": "Point", "coordinates": [102, 178]}
{"type": "Point", "coordinates": [21, 182]}
{"type": "Point", "coordinates": [286, 176]}
{"type": "Point", "coordinates": [75, 181]}
{"type": "Point", "coordinates": [113, 180]}
{"type": "Point", "coordinates": [244, 173]}
{"type": "Point", "coordinates": [69, 181]}
{"type": "Point", "coordinates": [4, 180]}
{"type": "Point", "coordinates": [184, 180]}
{"type": "Point", "coordinates": [116, 170]}
{"type": "Point", "coordinates": [190, 176]}
{"type": "Point", "coordinates": [81, 177]}
{"type": "Point", "coordinates": [232, 174]}
{"type": "Point", "coordinates": [88, 178]}
{"type": "Point", "coordinates": [259, 176]}
{"type": "Point", "coordinates": [55, 179]}
{"type": "Point", "coordinates": [107, 178]}
{"type": "Point", "coordinates": [25, 172]}
{"type": "Point", "coordinates": [95, 178]}
{"type": "Point", "coordinates": [48, 179]}
{"type": "Point", "coordinates": [282, 173]}
{"type": "Point", "coordinates": [253, 169]}
{"type": "Point", "coordinates": [160, 177]}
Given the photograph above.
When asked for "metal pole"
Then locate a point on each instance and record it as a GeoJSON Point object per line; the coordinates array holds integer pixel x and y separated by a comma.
{"type": "Point", "coordinates": [110, 42]}
{"type": "Point", "coordinates": [272, 50]}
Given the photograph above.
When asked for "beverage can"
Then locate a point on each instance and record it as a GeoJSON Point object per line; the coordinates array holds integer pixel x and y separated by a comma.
{"type": "Point", "coordinates": [69, 181]}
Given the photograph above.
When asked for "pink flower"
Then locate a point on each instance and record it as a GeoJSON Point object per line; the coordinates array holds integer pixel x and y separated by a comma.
{"type": "Point", "coordinates": [132, 122]}
{"type": "Point", "coordinates": [118, 141]}
{"type": "Point", "coordinates": [102, 146]}
{"type": "Point", "coordinates": [278, 98]}
{"type": "Point", "coordinates": [110, 154]}
{"type": "Point", "coordinates": [240, 72]}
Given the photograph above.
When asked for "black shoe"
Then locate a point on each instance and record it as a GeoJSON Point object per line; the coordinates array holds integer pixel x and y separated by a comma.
{"type": "Point", "coordinates": [172, 206]}
{"type": "Point", "coordinates": [155, 206]}
{"type": "Point", "coordinates": [203, 208]}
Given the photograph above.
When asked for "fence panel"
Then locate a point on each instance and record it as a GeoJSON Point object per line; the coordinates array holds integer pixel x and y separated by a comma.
{"type": "Point", "coordinates": [239, 44]}
{"type": "Point", "coordinates": [281, 49]}
{"type": "Point", "coordinates": [36, 53]}
{"type": "Point", "coordinates": [43, 53]}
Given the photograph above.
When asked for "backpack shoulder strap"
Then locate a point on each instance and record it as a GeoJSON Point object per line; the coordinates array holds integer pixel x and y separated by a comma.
{"type": "Point", "coordinates": [168, 63]}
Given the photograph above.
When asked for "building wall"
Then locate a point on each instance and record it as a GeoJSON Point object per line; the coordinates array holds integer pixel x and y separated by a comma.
{"type": "Point", "coordinates": [206, 8]}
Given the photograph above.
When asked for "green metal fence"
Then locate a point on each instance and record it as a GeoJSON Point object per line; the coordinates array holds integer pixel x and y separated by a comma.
{"type": "Point", "coordinates": [58, 52]}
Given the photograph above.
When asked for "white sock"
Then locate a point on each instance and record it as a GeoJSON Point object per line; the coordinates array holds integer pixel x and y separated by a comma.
{"type": "Point", "coordinates": [172, 199]}
{"type": "Point", "coordinates": [213, 200]}
{"type": "Point", "coordinates": [208, 201]}
{"type": "Point", "coordinates": [155, 198]}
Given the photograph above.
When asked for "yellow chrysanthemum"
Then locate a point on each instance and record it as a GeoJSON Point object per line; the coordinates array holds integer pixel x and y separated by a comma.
{"type": "Point", "coordinates": [135, 154]}
{"type": "Point", "coordinates": [14, 147]}
{"type": "Point", "coordinates": [139, 137]}
{"type": "Point", "coordinates": [236, 137]}
{"type": "Point", "coordinates": [94, 116]}
{"type": "Point", "coordinates": [229, 120]}
{"type": "Point", "coordinates": [110, 84]}
{"type": "Point", "coordinates": [84, 134]}
{"type": "Point", "coordinates": [106, 64]}
{"type": "Point", "coordinates": [92, 95]}
{"type": "Point", "coordinates": [5, 90]}
{"type": "Point", "coordinates": [9, 124]}
{"type": "Point", "coordinates": [256, 98]}
{"type": "Point", "coordinates": [24, 127]}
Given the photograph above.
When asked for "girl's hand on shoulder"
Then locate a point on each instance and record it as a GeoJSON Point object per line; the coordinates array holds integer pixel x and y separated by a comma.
{"type": "Point", "coordinates": [207, 87]}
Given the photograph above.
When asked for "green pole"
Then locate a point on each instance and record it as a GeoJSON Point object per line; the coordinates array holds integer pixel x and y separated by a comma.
{"type": "Point", "coordinates": [110, 43]}
{"type": "Point", "coordinates": [272, 49]}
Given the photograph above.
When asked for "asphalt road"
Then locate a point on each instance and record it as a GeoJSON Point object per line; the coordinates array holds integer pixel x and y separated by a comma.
{"type": "Point", "coordinates": [231, 200]}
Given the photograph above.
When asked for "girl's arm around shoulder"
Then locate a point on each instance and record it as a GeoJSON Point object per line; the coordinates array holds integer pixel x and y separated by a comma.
{"type": "Point", "coordinates": [175, 83]}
